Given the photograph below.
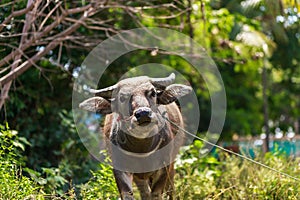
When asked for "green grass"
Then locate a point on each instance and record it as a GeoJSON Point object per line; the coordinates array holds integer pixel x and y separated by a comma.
{"type": "Point", "coordinates": [13, 185]}
{"type": "Point", "coordinates": [227, 177]}
{"type": "Point", "coordinates": [234, 178]}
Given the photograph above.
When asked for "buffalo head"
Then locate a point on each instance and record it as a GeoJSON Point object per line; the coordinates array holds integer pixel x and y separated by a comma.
{"type": "Point", "coordinates": [137, 102]}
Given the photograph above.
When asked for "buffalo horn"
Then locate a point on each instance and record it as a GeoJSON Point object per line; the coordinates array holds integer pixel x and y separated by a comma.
{"type": "Point", "coordinates": [105, 92]}
{"type": "Point", "coordinates": [162, 83]}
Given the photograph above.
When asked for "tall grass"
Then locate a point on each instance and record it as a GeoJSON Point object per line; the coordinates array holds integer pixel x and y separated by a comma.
{"type": "Point", "coordinates": [217, 177]}
{"type": "Point", "coordinates": [220, 176]}
{"type": "Point", "coordinates": [13, 185]}
{"type": "Point", "coordinates": [230, 177]}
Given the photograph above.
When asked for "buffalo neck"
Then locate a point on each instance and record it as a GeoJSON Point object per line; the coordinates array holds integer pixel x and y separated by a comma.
{"type": "Point", "coordinates": [137, 145]}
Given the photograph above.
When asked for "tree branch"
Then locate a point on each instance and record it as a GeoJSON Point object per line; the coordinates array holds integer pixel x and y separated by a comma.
{"type": "Point", "coordinates": [16, 14]}
{"type": "Point", "coordinates": [42, 33]}
{"type": "Point", "coordinates": [24, 66]}
{"type": "Point", "coordinates": [4, 91]}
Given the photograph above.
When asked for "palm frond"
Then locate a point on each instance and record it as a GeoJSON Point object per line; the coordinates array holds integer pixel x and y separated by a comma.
{"type": "Point", "coordinates": [257, 39]}
{"type": "Point", "coordinates": [249, 7]}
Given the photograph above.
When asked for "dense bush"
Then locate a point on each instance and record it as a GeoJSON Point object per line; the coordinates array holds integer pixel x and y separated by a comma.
{"type": "Point", "coordinates": [102, 185]}
{"type": "Point", "coordinates": [13, 185]}
{"type": "Point", "coordinates": [19, 182]}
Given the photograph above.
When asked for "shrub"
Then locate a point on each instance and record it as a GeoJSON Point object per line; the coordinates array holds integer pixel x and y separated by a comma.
{"type": "Point", "coordinates": [231, 177]}
{"type": "Point", "coordinates": [102, 185]}
{"type": "Point", "coordinates": [13, 185]}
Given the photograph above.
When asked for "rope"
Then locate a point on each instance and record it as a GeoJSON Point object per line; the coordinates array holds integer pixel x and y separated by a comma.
{"type": "Point", "coordinates": [234, 153]}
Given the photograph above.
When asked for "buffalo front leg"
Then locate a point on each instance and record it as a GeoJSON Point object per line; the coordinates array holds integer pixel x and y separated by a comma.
{"type": "Point", "coordinates": [144, 188]}
{"type": "Point", "coordinates": [165, 183]}
{"type": "Point", "coordinates": [124, 183]}
{"type": "Point", "coordinates": [170, 188]}
{"type": "Point", "coordinates": [157, 188]}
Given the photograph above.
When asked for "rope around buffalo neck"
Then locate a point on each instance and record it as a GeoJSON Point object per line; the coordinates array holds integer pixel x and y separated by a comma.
{"type": "Point", "coordinates": [229, 151]}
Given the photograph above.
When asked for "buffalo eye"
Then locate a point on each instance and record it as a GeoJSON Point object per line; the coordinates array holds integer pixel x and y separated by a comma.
{"type": "Point", "coordinates": [122, 99]}
{"type": "Point", "coordinates": [153, 93]}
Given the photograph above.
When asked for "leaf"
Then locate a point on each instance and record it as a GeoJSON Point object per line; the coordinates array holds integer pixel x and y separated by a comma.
{"type": "Point", "coordinates": [20, 145]}
{"type": "Point", "coordinates": [14, 132]}
{"type": "Point", "coordinates": [198, 144]}
{"type": "Point", "coordinates": [212, 160]}
{"type": "Point", "coordinates": [24, 141]}
{"type": "Point", "coordinates": [249, 6]}
{"type": "Point", "coordinates": [257, 39]}
{"type": "Point", "coordinates": [60, 179]}
{"type": "Point", "coordinates": [41, 181]}
{"type": "Point", "coordinates": [48, 171]}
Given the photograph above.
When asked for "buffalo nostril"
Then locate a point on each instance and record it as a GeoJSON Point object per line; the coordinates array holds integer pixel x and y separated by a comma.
{"type": "Point", "coordinates": [143, 116]}
{"type": "Point", "coordinates": [137, 115]}
{"type": "Point", "coordinates": [142, 113]}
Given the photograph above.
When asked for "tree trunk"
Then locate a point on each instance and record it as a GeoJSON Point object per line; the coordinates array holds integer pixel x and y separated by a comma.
{"type": "Point", "coordinates": [265, 106]}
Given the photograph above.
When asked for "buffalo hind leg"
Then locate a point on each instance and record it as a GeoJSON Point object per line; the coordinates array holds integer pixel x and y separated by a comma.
{"type": "Point", "coordinates": [170, 188]}
{"type": "Point", "coordinates": [165, 182]}
{"type": "Point", "coordinates": [157, 188]}
{"type": "Point", "coordinates": [124, 183]}
{"type": "Point", "coordinates": [144, 188]}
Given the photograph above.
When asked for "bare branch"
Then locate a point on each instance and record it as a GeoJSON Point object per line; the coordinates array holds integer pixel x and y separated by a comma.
{"type": "Point", "coordinates": [165, 17]}
{"type": "Point", "coordinates": [51, 24]}
{"type": "Point", "coordinates": [24, 66]}
{"type": "Point", "coordinates": [6, 87]}
{"type": "Point", "coordinates": [4, 69]}
{"type": "Point", "coordinates": [48, 15]}
{"type": "Point", "coordinates": [41, 34]}
{"type": "Point", "coordinates": [6, 4]}
{"type": "Point", "coordinates": [16, 14]}
{"type": "Point", "coordinates": [18, 60]}
{"type": "Point", "coordinates": [78, 10]}
{"type": "Point", "coordinates": [13, 74]}
{"type": "Point", "coordinates": [59, 52]}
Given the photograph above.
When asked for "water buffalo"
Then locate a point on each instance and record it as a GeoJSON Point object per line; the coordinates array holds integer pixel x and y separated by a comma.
{"type": "Point", "coordinates": [134, 124]}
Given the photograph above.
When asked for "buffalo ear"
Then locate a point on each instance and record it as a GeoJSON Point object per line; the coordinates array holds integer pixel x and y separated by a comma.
{"type": "Point", "coordinates": [172, 93]}
{"type": "Point", "coordinates": [96, 104]}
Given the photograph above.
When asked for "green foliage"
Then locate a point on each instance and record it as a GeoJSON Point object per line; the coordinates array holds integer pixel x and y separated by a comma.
{"type": "Point", "coordinates": [219, 176]}
{"type": "Point", "coordinates": [275, 23]}
{"type": "Point", "coordinates": [56, 152]}
{"type": "Point", "coordinates": [102, 184]}
{"type": "Point", "coordinates": [230, 177]}
{"type": "Point", "coordinates": [13, 185]}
